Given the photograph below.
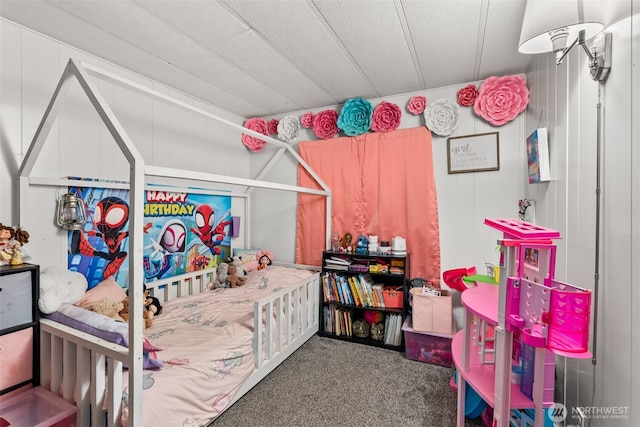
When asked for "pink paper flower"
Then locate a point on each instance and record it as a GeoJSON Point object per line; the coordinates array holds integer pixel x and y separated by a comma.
{"type": "Point", "coordinates": [257, 124]}
{"type": "Point", "coordinates": [467, 95]}
{"type": "Point", "coordinates": [501, 99]}
{"type": "Point", "coordinates": [307, 120]}
{"type": "Point", "coordinates": [273, 127]}
{"type": "Point", "coordinates": [325, 124]}
{"type": "Point", "coordinates": [417, 104]}
{"type": "Point", "coordinates": [386, 117]}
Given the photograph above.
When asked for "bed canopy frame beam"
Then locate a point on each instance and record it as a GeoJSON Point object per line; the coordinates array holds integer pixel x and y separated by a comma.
{"type": "Point", "coordinates": [138, 171]}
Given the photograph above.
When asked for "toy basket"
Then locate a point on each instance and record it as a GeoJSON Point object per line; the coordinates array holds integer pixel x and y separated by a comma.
{"type": "Point", "coordinates": [570, 309]}
{"type": "Point", "coordinates": [392, 297]}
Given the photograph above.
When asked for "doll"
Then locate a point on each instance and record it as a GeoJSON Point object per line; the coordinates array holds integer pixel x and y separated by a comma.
{"type": "Point", "coordinates": [11, 241]}
{"type": "Point", "coordinates": [264, 259]}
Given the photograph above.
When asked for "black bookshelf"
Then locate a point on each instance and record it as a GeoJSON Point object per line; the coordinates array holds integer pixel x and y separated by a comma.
{"type": "Point", "coordinates": [340, 305]}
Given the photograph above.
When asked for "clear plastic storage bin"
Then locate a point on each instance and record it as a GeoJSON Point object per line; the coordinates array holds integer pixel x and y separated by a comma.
{"type": "Point", "coordinates": [36, 407]}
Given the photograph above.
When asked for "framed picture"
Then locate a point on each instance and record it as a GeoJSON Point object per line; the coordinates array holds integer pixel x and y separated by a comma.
{"type": "Point", "coordinates": [473, 153]}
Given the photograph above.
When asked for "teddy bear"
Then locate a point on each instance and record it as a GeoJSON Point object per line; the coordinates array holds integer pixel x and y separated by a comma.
{"type": "Point", "coordinates": [373, 244]}
{"type": "Point", "coordinates": [109, 308]}
{"type": "Point", "coordinates": [124, 313]}
{"type": "Point", "coordinates": [233, 278]}
{"type": "Point", "coordinates": [222, 274]}
{"type": "Point", "coordinates": [236, 260]}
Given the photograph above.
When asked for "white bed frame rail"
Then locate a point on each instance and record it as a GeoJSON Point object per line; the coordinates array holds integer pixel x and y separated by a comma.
{"type": "Point", "coordinates": [87, 371]}
{"type": "Point", "coordinates": [191, 283]}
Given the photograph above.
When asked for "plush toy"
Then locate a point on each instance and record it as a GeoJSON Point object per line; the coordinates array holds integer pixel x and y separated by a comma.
{"type": "Point", "coordinates": [233, 278]}
{"type": "Point", "coordinates": [152, 303]}
{"type": "Point", "coordinates": [362, 245]}
{"type": "Point", "coordinates": [264, 259]}
{"type": "Point", "coordinates": [241, 271]}
{"type": "Point", "coordinates": [222, 273]}
{"type": "Point", "coordinates": [109, 308]}
{"type": "Point", "coordinates": [373, 244]}
{"type": "Point", "coordinates": [147, 314]}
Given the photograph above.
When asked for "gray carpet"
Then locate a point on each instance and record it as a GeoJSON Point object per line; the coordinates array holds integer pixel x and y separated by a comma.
{"type": "Point", "coordinates": [332, 382]}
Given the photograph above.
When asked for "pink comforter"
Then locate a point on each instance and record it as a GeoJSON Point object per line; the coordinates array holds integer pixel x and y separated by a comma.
{"type": "Point", "coordinates": [207, 350]}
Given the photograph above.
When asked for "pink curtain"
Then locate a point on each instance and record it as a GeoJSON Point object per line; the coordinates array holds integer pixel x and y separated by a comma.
{"type": "Point", "coordinates": [382, 184]}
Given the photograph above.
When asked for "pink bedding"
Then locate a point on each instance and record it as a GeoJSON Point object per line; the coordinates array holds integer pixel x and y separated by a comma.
{"type": "Point", "coordinates": [207, 350]}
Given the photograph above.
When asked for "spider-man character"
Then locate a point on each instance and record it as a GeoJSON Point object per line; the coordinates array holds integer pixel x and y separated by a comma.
{"type": "Point", "coordinates": [110, 216]}
{"type": "Point", "coordinates": [209, 234]}
{"type": "Point", "coordinates": [200, 262]}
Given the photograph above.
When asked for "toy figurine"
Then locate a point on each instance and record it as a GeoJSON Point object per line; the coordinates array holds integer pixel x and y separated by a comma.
{"type": "Point", "coordinates": [11, 241]}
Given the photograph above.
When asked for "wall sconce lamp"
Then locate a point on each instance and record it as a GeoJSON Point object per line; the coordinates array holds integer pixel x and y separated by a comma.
{"type": "Point", "coordinates": [71, 212]}
{"type": "Point", "coordinates": [547, 25]}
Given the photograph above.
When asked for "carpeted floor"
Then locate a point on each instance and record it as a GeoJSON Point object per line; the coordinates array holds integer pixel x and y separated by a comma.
{"type": "Point", "coordinates": [332, 382]}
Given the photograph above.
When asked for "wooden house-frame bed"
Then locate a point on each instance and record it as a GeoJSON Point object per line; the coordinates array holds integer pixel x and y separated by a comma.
{"type": "Point", "coordinates": [87, 370]}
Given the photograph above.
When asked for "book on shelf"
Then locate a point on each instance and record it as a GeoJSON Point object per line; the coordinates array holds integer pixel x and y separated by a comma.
{"type": "Point", "coordinates": [335, 260]}
{"type": "Point", "coordinates": [354, 291]}
{"type": "Point", "coordinates": [393, 329]}
{"type": "Point", "coordinates": [538, 156]}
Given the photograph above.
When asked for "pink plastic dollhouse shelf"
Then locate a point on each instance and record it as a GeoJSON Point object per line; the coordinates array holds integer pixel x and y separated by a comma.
{"type": "Point", "coordinates": [482, 301]}
{"type": "Point", "coordinates": [482, 376]}
{"type": "Point", "coordinates": [515, 228]}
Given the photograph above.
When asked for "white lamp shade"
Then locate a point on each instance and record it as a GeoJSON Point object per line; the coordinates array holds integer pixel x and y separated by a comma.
{"type": "Point", "coordinates": [544, 16]}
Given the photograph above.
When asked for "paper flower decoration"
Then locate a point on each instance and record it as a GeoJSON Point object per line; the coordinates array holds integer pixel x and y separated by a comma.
{"type": "Point", "coordinates": [307, 120]}
{"type": "Point", "coordinates": [355, 117]}
{"type": "Point", "coordinates": [467, 95]}
{"type": "Point", "coordinates": [288, 128]}
{"type": "Point", "coordinates": [386, 117]}
{"type": "Point", "coordinates": [325, 124]}
{"type": "Point", "coordinates": [253, 143]}
{"type": "Point", "coordinates": [501, 99]}
{"type": "Point", "coordinates": [442, 117]}
{"type": "Point", "coordinates": [272, 126]}
{"type": "Point", "coordinates": [417, 104]}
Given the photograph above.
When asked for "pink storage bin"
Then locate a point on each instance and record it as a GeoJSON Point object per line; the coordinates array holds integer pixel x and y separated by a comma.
{"type": "Point", "coordinates": [432, 313]}
{"type": "Point", "coordinates": [570, 310]}
{"type": "Point", "coordinates": [36, 407]}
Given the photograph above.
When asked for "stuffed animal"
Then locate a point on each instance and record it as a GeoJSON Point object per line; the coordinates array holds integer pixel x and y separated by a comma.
{"type": "Point", "coordinates": [152, 303]}
{"type": "Point", "coordinates": [109, 308]}
{"type": "Point", "coordinates": [362, 245]}
{"type": "Point", "coordinates": [241, 271]}
{"type": "Point", "coordinates": [233, 278]}
{"type": "Point", "coordinates": [147, 314]}
{"type": "Point", "coordinates": [373, 244]}
{"type": "Point", "coordinates": [222, 273]}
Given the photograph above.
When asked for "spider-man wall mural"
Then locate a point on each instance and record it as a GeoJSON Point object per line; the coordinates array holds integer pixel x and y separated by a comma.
{"type": "Point", "coordinates": [181, 232]}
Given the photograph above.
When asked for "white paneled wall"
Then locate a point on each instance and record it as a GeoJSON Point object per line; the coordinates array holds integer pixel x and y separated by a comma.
{"type": "Point", "coordinates": [565, 99]}
{"type": "Point", "coordinates": [80, 145]}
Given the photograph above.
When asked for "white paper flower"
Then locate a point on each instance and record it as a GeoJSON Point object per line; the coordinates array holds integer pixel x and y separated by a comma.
{"type": "Point", "coordinates": [288, 128]}
{"type": "Point", "coordinates": [442, 117]}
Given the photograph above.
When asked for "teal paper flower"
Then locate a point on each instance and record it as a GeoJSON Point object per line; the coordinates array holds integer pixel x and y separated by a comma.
{"type": "Point", "coordinates": [355, 117]}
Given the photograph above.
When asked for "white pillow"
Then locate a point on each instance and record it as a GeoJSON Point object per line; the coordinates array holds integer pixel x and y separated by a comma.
{"type": "Point", "coordinates": [59, 286]}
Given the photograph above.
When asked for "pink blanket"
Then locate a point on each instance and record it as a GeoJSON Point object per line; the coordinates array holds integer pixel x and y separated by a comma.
{"type": "Point", "coordinates": [208, 354]}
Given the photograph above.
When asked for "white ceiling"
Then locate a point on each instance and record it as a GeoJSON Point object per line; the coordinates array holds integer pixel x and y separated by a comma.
{"type": "Point", "coordinates": [261, 58]}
